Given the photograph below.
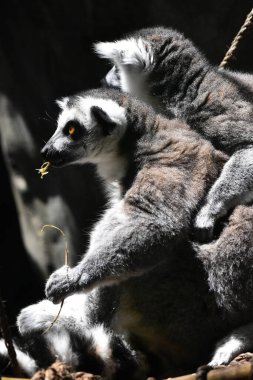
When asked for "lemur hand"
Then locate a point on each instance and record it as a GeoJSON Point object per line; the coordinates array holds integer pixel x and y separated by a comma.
{"type": "Point", "coordinates": [64, 282]}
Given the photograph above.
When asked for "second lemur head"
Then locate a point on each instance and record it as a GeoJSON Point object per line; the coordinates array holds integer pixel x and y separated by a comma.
{"type": "Point", "coordinates": [149, 60]}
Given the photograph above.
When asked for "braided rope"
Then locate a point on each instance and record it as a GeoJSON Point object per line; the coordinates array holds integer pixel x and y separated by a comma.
{"type": "Point", "coordinates": [236, 40]}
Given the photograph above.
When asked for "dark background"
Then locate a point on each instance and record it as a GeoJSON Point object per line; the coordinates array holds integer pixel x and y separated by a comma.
{"type": "Point", "coordinates": [46, 53]}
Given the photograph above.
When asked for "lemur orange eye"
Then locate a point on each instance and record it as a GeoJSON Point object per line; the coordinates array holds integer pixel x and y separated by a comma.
{"type": "Point", "coordinates": [71, 130]}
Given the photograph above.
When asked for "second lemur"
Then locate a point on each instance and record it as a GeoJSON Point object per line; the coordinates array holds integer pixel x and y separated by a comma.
{"type": "Point", "coordinates": [165, 69]}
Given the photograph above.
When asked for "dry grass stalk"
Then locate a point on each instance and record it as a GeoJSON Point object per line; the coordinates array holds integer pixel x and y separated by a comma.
{"type": "Point", "coordinates": [66, 254]}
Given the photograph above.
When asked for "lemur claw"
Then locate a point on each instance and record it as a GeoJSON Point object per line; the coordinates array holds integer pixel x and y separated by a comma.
{"type": "Point", "coordinates": [204, 225]}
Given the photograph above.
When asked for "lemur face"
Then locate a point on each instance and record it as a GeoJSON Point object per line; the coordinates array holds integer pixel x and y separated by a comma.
{"type": "Point", "coordinates": [88, 131]}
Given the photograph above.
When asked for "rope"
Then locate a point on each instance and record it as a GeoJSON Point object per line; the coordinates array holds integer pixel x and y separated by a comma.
{"type": "Point", "coordinates": [6, 333]}
{"type": "Point", "coordinates": [236, 40]}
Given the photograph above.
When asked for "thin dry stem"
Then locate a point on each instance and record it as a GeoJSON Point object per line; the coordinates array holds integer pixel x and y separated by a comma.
{"type": "Point", "coordinates": [66, 256]}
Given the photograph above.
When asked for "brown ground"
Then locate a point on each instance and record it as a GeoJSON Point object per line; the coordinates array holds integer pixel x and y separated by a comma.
{"type": "Point", "coordinates": [61, 371]}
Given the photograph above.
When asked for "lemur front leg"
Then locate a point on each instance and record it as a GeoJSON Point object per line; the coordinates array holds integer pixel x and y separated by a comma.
{"type": "Point", "coordinates": [233, 187]}
{"type": "Point", "coordinates": [239, 341]}
{"type": "Point", "coordinates": [234, 344]}
{"type": "Point", "coordinates": [122, 245]}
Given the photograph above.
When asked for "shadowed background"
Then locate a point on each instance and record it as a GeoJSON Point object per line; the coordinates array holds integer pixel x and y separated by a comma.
{"type": "Point", "coordinates": [46, 53]}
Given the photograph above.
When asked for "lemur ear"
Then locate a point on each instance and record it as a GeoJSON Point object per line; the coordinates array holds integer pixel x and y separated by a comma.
{"type": "Point", "coordinates": [132, 51]}
{"type": "Point", "coordinates": [62, 102]}
{"type": "Point", "coordinates": [102, 119]}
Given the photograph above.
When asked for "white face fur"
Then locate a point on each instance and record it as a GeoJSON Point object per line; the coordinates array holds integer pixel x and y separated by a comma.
{"type": "Point", "coordinates": [88, 131]}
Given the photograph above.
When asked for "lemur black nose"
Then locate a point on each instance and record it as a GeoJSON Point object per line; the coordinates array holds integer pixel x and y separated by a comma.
{"type": "Point", "coordinates": [55, 157]}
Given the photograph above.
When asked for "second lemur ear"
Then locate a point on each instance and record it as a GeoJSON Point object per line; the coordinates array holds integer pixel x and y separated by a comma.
{"type": "Point", "coordinates": [102, 119]}
{"type": "Point", "coordinates": [132, 51]}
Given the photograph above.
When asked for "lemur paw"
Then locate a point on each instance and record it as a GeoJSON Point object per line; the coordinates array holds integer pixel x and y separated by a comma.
{"type": "Point", "coordinates": [204, 225]}
{"type": "Point", "coordinates": [35, 318]}
{"type": "Point", "coordinates": [61, 284]}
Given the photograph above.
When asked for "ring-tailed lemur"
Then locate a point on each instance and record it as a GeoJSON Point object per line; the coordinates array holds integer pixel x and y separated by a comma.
{"type": "Point", "coordinates": [165, 69]}
{"type": "Point", "coordinates": [146, 289]}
